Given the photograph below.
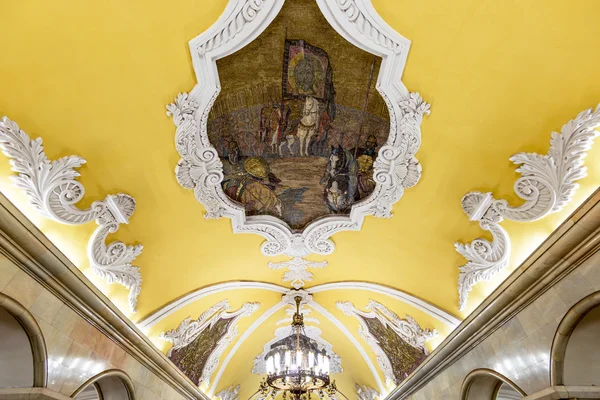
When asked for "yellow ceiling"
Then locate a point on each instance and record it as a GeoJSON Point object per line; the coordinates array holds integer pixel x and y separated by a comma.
{"type": "Point", "coordinates": [93, 79]}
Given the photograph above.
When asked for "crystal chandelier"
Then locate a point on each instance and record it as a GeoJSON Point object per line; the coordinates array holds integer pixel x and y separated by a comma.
{"type": "Point", "coordinates": [297, 365]}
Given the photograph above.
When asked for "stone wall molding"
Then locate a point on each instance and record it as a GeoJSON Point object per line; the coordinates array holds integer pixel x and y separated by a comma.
{"type": "Point", "coordinates": [23, 244]}
{"type": "Point", "coordinates": [566, 392]}
{"type": "Point", "coordinates": [201, 170]}
{"type": "Point", "coordinates": [576, 240]}
{"type": "Point", "coordinates": [32, 394]}
{"type": "Point", "coordinates": [547, 184]}
{"type": "Point", "coordinates": [117, 373]}
{"type": "Point", "coordinates": [563, 333]}
{"type": "Point", "coordinates": [54, 191]}
{"type": "Point", "coordinates": [485, 384]}
{"type": "Point", "coordinates": [36, 338]}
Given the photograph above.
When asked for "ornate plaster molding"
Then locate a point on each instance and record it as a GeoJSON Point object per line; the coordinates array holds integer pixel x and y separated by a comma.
{"type": "Point", "coordinates": [189, 330]}
{"type": "Point", "coordinates": [394, 293]}
{"type": "Point", "coordinates": [257, 322]}
{"type": "Point", "coordinates": [298, 270]}
{"type": "Point", "coordinates": [198, 294]}
{"type": "Point", "coordinates": [312, 332]}
{"type": "Point", "coordinates": [406, 328]}
{"type": "Point", "coordinates": [547, 184]}
{"type": "Point", "coordinates": [201, 170]}
{"type": "Point", "coordinates": [288, 299]}
{"type": "Point", "coordinates": [338, 324]}
{"type": "Point", "coordinates": [53, 191]}
{"type": "Point", "coordinates": [291, 310]}
{"type": "Point", "coordinates": [201, 293]}
{"type": "Point", "coordinates": [365, 392]}
{"type": "Point", "coordinates": [231, 393]}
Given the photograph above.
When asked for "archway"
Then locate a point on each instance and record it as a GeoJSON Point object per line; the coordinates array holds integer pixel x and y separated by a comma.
{"type": "Point", "coordinates": [487, 384]}
{"type": "Point", "coordinates": [23, 356]}
{"type": "Point", "coordinates": [575, 347]}
{"type": "Point", "coordinates": [111, 384]}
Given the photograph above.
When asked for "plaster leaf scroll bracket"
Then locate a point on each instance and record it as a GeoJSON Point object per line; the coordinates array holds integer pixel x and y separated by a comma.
{"type": "Point", "coordinates": [547, 184]}
{"type": "Point", "coordinates": [201, 170]}
{"type": "Point", "coordinates": [365, 392]}
{"type": "Point", "coordinates": [53, 191]}
{"type": "Point", "coordinates": [298, 266]}
{"type": "Point", "coordinates": [231, 393]}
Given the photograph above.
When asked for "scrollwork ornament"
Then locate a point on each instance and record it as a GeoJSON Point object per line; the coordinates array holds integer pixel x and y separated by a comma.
{"type": "Point", "coordinates": [201, 170]}
{"type": "Point", "coordinates": [365, 392]}
{"type": "Point", "coordinates": [547, 184]}
{"type": "Point", "coordinates": [231, 393]}
{"type": "Point", "coordinates": [189, 330]}
{"type": "Point", "coordinates": [298, 272]}
{"type": "Point", "coordinates": [406, 328]}
{"type": "Point", "coordinates": [53, 190]}
{"type": "Point", "coordinates": [366, 27]}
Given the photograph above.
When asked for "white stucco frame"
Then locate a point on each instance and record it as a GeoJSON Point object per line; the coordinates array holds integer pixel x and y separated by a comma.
{"type": "Point", "coordinates": [200, 168]}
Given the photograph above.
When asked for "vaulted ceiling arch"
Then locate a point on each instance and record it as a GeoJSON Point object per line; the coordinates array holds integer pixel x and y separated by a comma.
{"type": "Point", "coordinates": [499, 83]}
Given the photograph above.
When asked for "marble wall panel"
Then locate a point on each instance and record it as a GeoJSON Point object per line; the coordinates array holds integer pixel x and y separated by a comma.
{"type": "Point", "coordinates": [76, 350]}
{"type": "Point", "coordinates": [520, 349]}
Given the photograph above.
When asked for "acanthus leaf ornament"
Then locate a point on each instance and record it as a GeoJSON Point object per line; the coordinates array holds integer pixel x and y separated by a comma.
{"type": "Point", "coordinates": [231, 393]}
{"type": "Point", "coordinates": [365, 392]}
{"type": "Point", "coordinates": [188, 330]}
{"type": "Point", "coordinates": [53, 190]}
{"type": "Point", "coordinates": [201, 170]}
{"type": "Point", "coordinates": [547, 184]}
{"type": "Point", "coordinates": [298, 272]}
{"type": "Point", "coordinates": [366, 27]}
{"type": "Point", "coordinates": [396, 167]}
{"type": "Point", "coordinates": [408, 329]}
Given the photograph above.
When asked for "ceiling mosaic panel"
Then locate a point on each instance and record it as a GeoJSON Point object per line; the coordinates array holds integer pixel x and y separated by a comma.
{"type": "Point", "coordinates": [298, 121]}
{"type": "Point", "coordinates": [298, 129]}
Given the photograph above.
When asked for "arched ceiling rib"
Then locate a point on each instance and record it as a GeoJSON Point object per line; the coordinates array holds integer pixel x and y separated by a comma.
{"type": "Point", "coordinates": [499, 81]}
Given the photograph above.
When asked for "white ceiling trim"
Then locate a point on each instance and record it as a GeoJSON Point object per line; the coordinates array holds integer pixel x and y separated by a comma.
{"type": "Point", "coordinates": [547, 184]}
{"type": "Point", "coordinates": [288, 299]}
{"type": "Point", "coordinates": [397, 294]}
{"type": "Point", "coordinates": [231, 393]}
{"type": "Point", "coordinates": [189, 330]}
{"type": "Point", "coordinates": [406, 328]}
{"type": "Point", "coordinates": [258, 322]}
{"type": "Point", "coordinates": [198, 294]}
{"type": "Point", "coordinates": [320, 309]}
{"type": "Point", "coordinates": [53, 191]}
{"type": "Point", "coordinates": [200, 168]}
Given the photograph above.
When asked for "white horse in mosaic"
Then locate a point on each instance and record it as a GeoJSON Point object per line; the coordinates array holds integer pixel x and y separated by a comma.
{"type": "Point", "coordinates": [308, 124]}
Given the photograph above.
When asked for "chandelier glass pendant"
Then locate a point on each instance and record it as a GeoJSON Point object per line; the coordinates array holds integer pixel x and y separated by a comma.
{"type": "Point", "coordinates": [297, 365]}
